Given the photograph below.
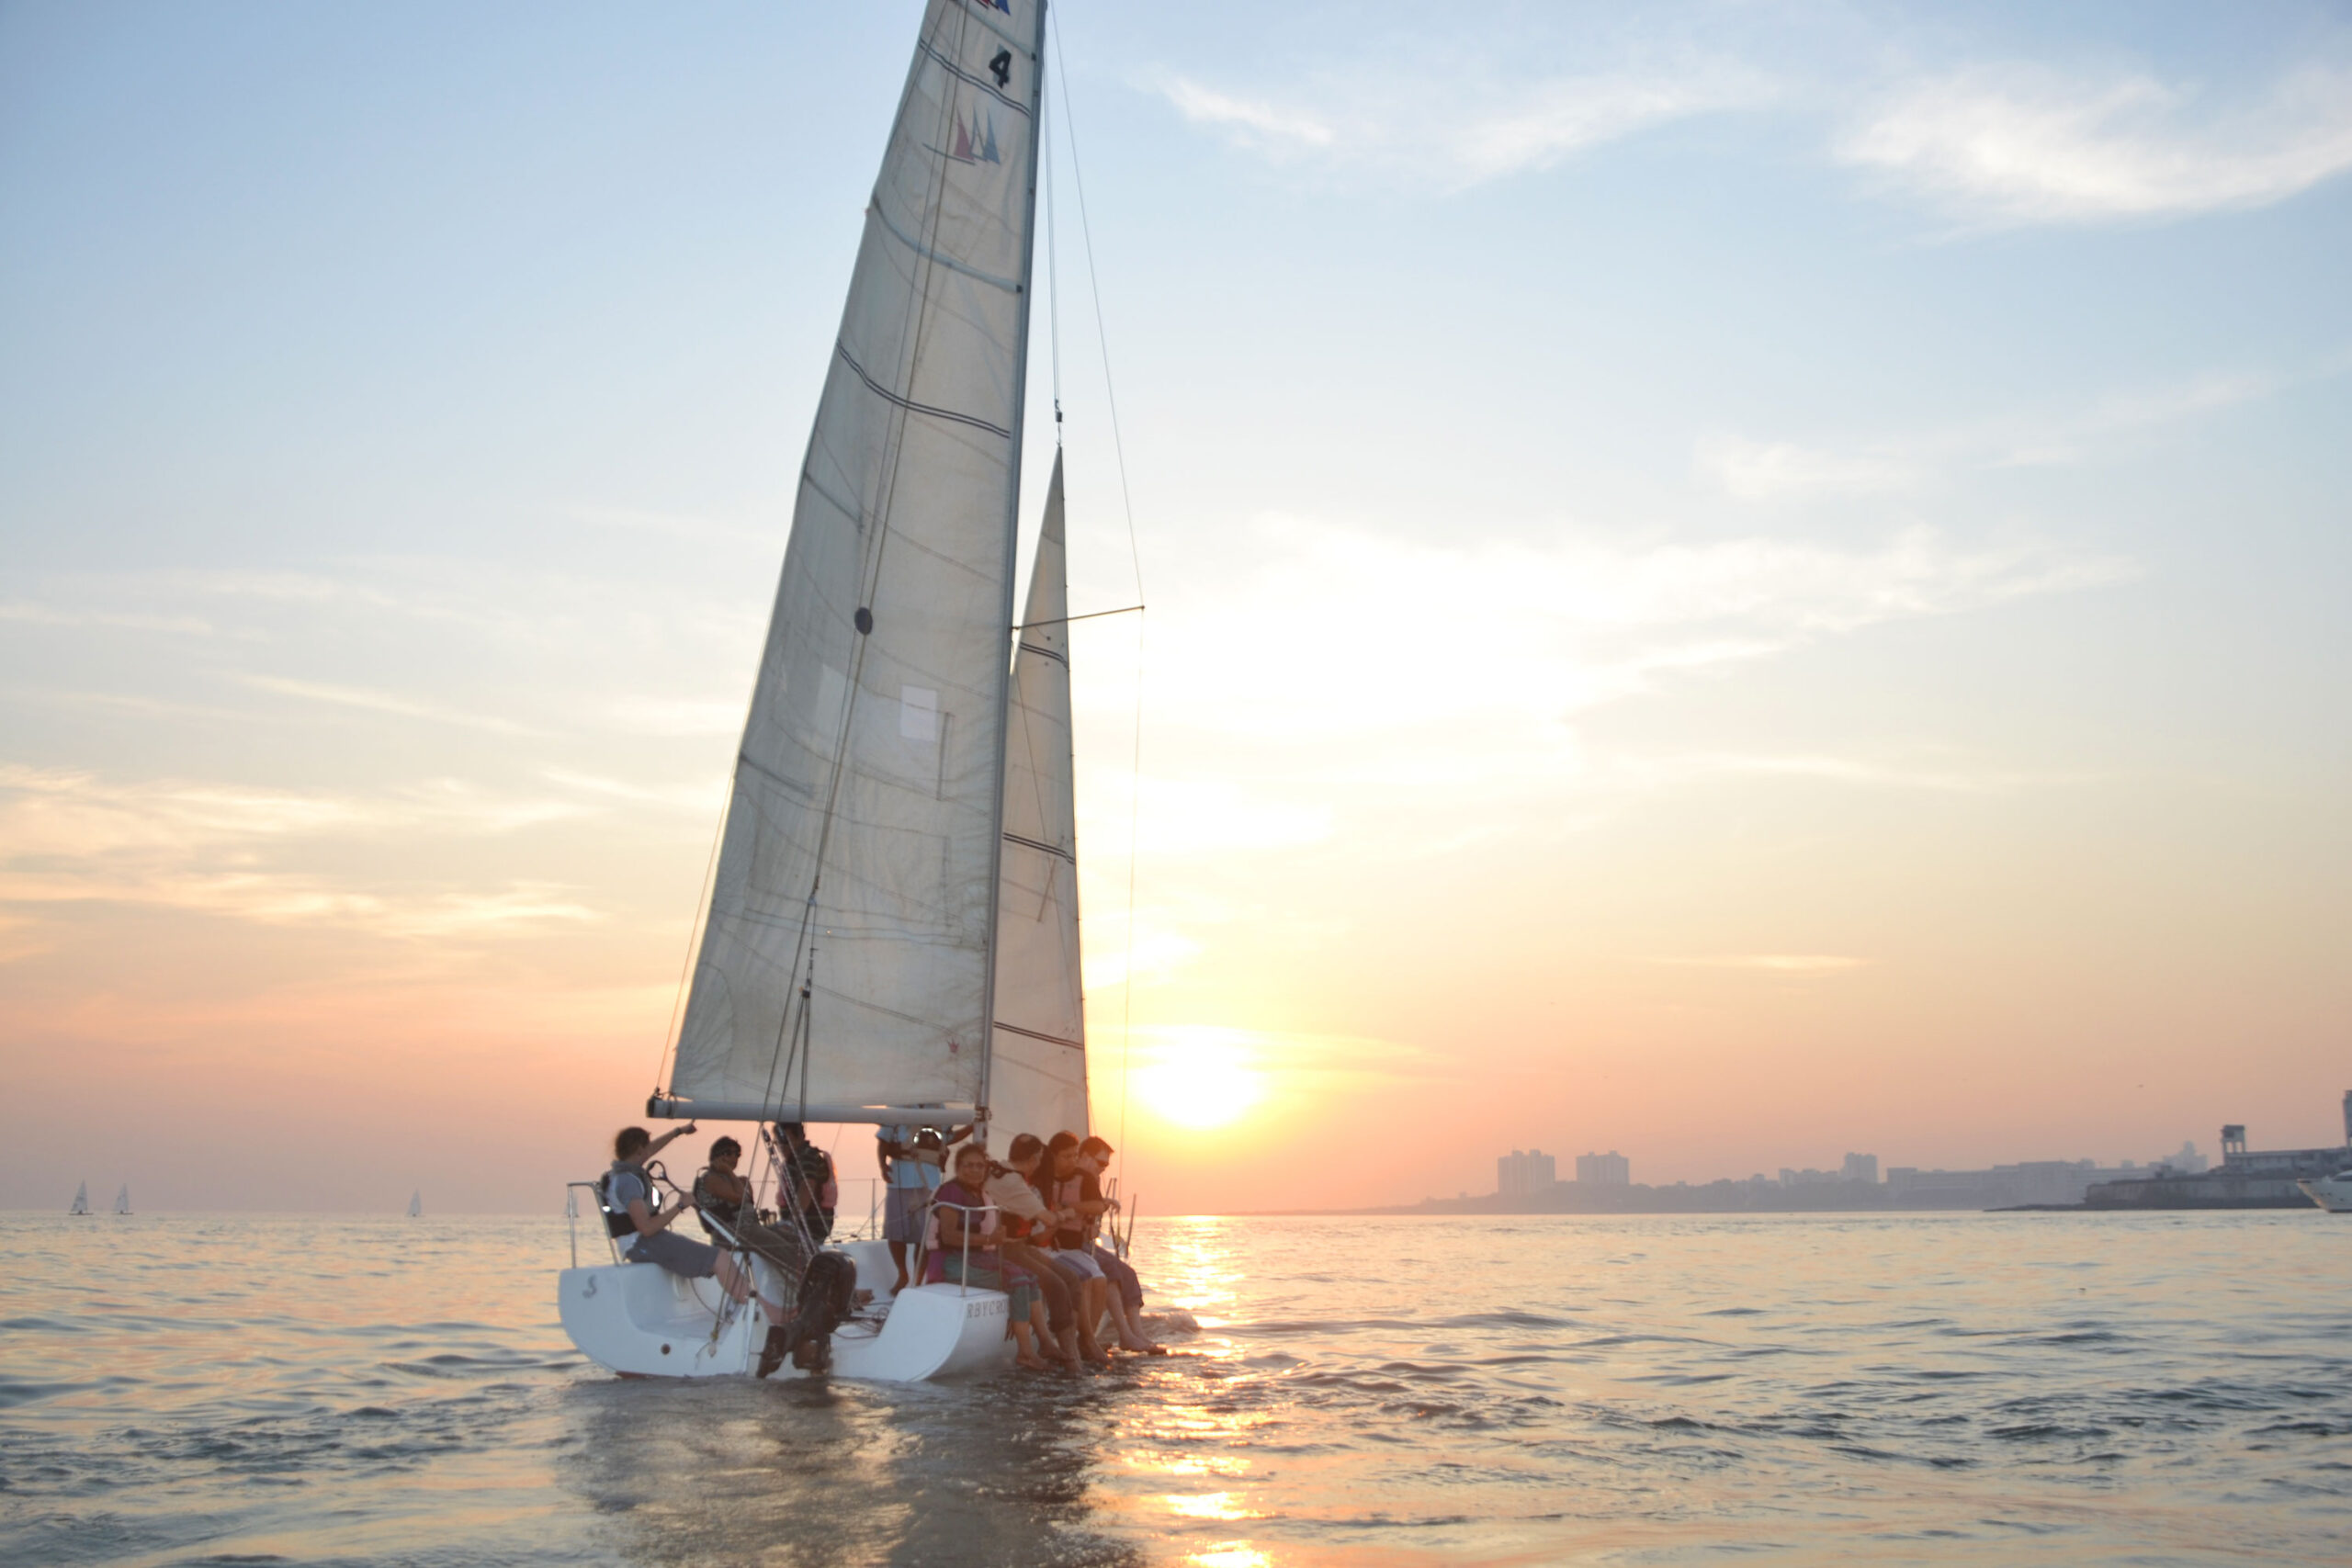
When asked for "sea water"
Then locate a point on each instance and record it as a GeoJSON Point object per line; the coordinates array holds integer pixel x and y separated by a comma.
{"type": "Point", "coordinates": [1916, 1389]}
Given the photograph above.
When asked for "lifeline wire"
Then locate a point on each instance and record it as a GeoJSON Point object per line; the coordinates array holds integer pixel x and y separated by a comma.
{"type": "Point", "coordinates": [1134, 555]}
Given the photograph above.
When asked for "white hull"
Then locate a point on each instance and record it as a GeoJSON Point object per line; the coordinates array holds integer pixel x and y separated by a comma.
{"type": "Point", "coordinates": [2333, 1194]}
{"type": "Point", "coordinates": [640, 1320]}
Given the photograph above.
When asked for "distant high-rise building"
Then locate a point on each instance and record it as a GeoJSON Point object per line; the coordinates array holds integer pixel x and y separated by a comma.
{"type": "Point", "coordinates": [1521, 1175]}
{"type": "Point", "coordinates": [1612, 1169]}
{"type": "Point", "coordinates": [2348, 1118]}
{"type": "Point", "coordinates": [1862, 1167]}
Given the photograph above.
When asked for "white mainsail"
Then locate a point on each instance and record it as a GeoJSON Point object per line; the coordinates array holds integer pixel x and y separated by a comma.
{"type": "Point", "coordinates": [845, 958]}
{"type": "Point", "coordinates": [81, 1199]}
{"type": "Point", "coordinates": [416, 1203]}
{"type": "Point", "coordinates": [1037, 1070]}
{"type": "Point", "coordinates": [122, 1199]}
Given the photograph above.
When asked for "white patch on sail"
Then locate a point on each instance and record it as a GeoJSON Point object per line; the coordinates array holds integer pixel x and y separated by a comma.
{"type": "Point", "coordinates": [918, 714]}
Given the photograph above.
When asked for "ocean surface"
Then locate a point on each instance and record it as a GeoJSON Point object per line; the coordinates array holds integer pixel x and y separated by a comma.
{"type": "Point", "coordinates": [1929, 1389]}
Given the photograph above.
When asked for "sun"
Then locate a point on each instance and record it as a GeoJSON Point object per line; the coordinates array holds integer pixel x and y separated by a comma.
{"type": "Point", "coordinates": [1200, 1077]}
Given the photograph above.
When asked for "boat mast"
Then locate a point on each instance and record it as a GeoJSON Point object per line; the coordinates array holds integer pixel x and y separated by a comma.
{"type": "Point", "coordinates": [1013, 555]}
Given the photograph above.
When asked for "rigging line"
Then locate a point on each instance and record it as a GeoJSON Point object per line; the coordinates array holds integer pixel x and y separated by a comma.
{"type": "Point", "coordinates": [1053, 269]}
{"type": "Point", "coordinates": [1095, 287]}
{"type": "Point", "coordinates": [1134, 832]}
{"type": "Point", "coordinates": [694, 923]}
{"type": "Point", "coordinates": [1090, 615]}
{"type": "Point", "coordinates": [918, 309]}
{"type": "Point", "coordinates": [1134, 555]}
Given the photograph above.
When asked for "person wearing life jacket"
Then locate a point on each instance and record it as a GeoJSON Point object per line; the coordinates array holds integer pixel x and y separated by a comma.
{"type": "Point", "coordinates": [1026, 1221]}
{"type": "Point", "coordinates": [724, 1200]}
{"type": "Point", "coordinates": [631, 1210]}
{"type": "Point", "coordinates": [810, 1192]}
{"type": "Point", "coordinates": [1061, 1184]}
{"type": "Point", "coordinates": [1126, 1287]}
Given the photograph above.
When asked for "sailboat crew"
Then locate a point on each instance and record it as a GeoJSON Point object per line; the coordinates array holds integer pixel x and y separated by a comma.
{"type": "Point", "coordinates": [724, 1199]}
{"type": "Point", "coordinates": [628, 1204]}
{"type": "Point", "coordinates": [913, 1162]}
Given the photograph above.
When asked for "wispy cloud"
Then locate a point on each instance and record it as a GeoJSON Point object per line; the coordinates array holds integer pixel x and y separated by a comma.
{"type": "Point", "coordinates": [1459, 127]}
{"type": "Point", "coordinates": [1749, 469]}
{"type": "Point", "coordinates": [1378, 635]}
{"type": "Point", "coordinates": [389, 703]}
{"type": "Point", "coordinates": [1769, 470]}
{"type": "Point", "coordinates": [2024, 144]}
{"type": "Point", "coordinates": [244, 852]}
{"type": "Point", "coordinates": [1800, 966]}
{"type": "Point", "coordinates": [1861, 771]}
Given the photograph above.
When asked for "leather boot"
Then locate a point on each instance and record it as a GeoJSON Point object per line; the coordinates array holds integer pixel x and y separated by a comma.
{"type": "Point", "coordinates": [772, 1354]}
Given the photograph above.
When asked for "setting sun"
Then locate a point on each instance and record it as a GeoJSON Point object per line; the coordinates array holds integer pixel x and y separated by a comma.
{"type": "Point", "coordinates": [1200, 1077]}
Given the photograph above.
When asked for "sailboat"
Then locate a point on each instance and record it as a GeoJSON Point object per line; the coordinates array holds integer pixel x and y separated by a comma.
{"type": "Point", "coordinates": [416, 1203]}
{"type": "Point", "coordinates": [891, 931]}
{"type": "Point", "coordinates": [81, 1199]}
{"type": "Point", "coordinates": [122, 1199]}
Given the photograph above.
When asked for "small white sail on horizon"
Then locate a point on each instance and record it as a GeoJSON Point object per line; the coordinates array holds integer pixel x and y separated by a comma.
{"type": "Point", "coordinates": [1037, 1063]}
{"type": "Point", "coordinates": [81, 1199]}
{"type": "Point", "coordinates": [416, 1203]}
{"type": "Point", "coordinates": [122, 1199]}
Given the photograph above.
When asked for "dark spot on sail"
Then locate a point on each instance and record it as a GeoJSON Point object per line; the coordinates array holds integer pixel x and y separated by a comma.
{"type": "Point", "coordinates": [864, 618]}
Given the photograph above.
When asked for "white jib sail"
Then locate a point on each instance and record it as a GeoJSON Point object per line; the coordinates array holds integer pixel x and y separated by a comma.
{"type": "Point", "coordinates": [1037, 1075]}
{"type": "Point", "coordinates": [860, 852]}
{"type": "Point", "coordinates": [81, 1199]}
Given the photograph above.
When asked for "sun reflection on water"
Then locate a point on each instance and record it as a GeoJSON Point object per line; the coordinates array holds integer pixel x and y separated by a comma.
{"type": "Point", "coordinates": [1231, 1554]}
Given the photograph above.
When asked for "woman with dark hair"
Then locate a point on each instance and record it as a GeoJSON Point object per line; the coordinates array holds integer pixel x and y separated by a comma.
{"type": "Point", "coordinates": [1061, 1185]}
{"type": "Point", "coordinates": [1023, 1213]}
{"type": "Point", "coordinates": [964, 1246]}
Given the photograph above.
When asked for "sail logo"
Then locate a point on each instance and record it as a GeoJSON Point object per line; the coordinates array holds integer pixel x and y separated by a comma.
{"type": "Point", "coordinates": [975, 139]}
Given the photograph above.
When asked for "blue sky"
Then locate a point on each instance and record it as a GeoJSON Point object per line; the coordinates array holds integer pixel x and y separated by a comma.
{"type": "Point", "coordinates": [1732, 581]}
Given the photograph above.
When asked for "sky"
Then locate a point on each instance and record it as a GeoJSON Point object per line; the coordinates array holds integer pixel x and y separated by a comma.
{"type": "Point", "coordinates": [1734, 582]}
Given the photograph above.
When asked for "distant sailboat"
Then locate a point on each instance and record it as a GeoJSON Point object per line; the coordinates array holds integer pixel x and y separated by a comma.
{"type": "Point", "coordinates": [122, 1199]}
{"type": "Point", "coordinates": [416, 1203]}
{"type": "Point", "coordinates": [81, 1199]}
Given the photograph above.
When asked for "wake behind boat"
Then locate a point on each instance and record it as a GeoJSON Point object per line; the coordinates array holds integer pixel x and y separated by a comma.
{"type": "Point", "coordinates": [891, 930]}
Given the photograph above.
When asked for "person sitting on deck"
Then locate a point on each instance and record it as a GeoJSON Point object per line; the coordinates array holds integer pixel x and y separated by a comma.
{"type": "Point", "coordinates": [1125, 1297]}
{"type": "Point", "coordinates": [629, 1210]}
{"type": "Point", "coordinates": [723, 1198]}
{"type": "Point", "coordinates": [961, 1249]}
{"type": "Point", "coordinates": [1025, 1220]}
{"type": "Point", "coordinates": [811, 1190]}
{"type": "Point", "coordinates": [1060, 1182]}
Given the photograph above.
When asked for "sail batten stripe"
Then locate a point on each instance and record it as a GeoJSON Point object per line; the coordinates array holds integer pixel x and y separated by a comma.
{"type": "Point", "coordinates": [980, 82]}
{"type": "Point", "coordinates": [879, 390]}
{"type": "Point", "coordinates": [1054, 849]}
{"type": "Point", "coordinates": [1055, 654]}
{"type": "Point", "coordinates": [1034, 1034]}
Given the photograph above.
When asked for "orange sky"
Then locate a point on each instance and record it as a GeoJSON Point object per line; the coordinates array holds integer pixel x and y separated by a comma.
{"type": "Point", "coordinates": [1735, 629]}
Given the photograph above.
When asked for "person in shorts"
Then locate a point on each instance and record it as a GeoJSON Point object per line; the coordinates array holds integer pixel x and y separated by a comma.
{"type": "Point", "coordinates": [629, 1192]}
{"type": "Point", "coordinates": [913, 1161]}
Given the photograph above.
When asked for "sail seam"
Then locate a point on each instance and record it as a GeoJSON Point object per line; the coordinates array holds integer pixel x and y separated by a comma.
{"type": "Point", "coordinates": [1033, 1035]}
{"type": "Point", "coordinates": [1041, 847]}
{"type": "Point", "coordinates": [879, 390]}
{"type": "Point", "coordinates": [1055, 654]}
{"type": "Point", "coordinates": [950, 262]}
